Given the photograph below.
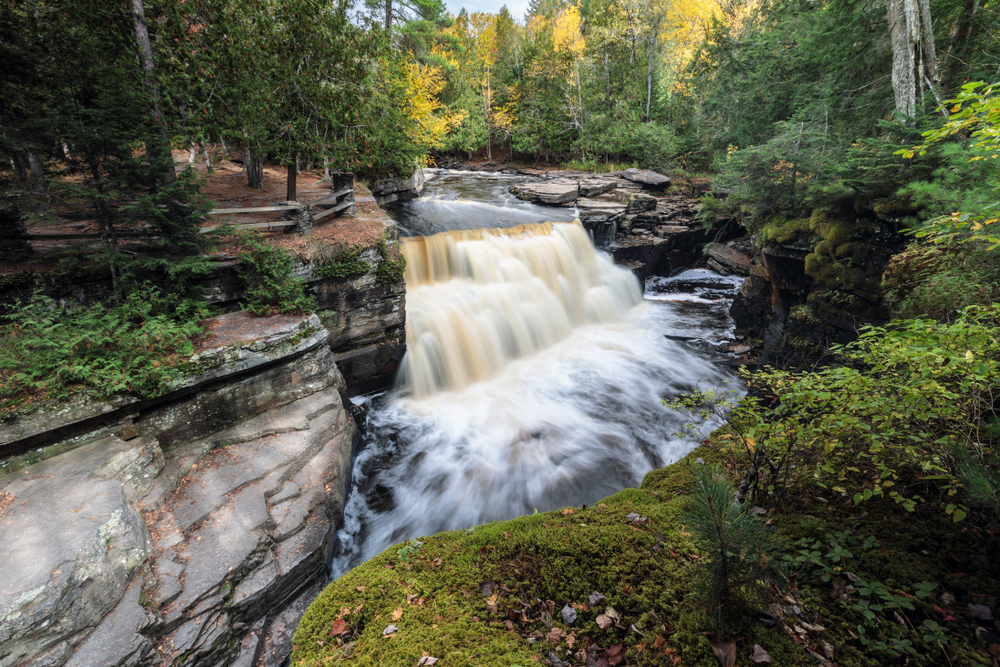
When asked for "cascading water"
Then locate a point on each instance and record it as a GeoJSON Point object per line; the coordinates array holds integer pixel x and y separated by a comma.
{"type": "Point", "coordinates": [478, 300]}
{"type": "Point", "coordinates": [532, 381]}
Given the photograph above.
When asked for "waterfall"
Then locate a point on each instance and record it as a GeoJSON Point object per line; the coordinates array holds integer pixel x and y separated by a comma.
{"type": "Point", "coordinates": [478, 299]}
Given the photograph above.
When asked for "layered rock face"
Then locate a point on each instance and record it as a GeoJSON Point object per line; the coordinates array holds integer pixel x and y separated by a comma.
{"type": "Point", "coordinates": [202, 547]}
{"type": "Point", "coordinates": [816, 289]}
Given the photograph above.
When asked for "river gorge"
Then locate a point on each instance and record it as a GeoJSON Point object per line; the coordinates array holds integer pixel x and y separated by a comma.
{"type": "Point", "coordinates": [534, 370]}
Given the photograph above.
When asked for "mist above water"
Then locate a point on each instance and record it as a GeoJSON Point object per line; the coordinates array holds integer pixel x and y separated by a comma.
{"type": "Point", "coordinates": [533, 380]}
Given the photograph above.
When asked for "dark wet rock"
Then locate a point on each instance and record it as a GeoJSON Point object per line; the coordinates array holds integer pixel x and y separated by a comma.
{"type": "Point", "coordinates": [731, 259]}
{"type": "Point", "coordinates": [277, 643]}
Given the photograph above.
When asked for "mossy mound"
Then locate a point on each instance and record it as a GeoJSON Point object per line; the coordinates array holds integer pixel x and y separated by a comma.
{"type": "Point", "coordinates": [788, 232]}
{"type": "Point", "coordinates": [631, 547]}
{"type": "Point", "coordinates": [493, 595]}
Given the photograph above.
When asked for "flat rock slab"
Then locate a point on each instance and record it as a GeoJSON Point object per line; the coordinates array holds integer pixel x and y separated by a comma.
{"type": "Point", "coordinates": [646, 178]}
{"type": "Point", "coordinates": [71, 541]}
{"type": "Point", "coordinates": [591, 187]}
{"type": "Point", "coordinates": [553, 193]}
{"type": "Point", "coordinates": [601, 206]}
{"type": "Point", "coordinates": [734, 260]}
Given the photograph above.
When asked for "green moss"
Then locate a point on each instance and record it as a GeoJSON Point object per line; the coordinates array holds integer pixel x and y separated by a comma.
{"type": "Point", "coordinates": [786, 232]}
{"type": "Point", "coordinates": [391, 269]}
{"type": "Point", "coordinates": [562, 557]}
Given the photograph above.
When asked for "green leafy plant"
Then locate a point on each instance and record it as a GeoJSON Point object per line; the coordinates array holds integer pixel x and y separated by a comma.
{"type": "Point", "coordinates": [391, 269]}
{"type": "Point", "coordinates": [733, 579]}
{"type": "Point", "coordinates": [134, 347]}
{"type": "Point", "coordinates": [344, 264]}
{"type": "Point", "coordinates": [885, 423]}
{"type": "Point", "coordinates": [409, 550]}
{"type": "Point", "coordinates": [266, 270]}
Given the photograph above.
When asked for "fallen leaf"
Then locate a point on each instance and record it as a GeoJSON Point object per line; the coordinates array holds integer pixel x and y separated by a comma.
{"type": "Point", "coordinates": [339, 627]}
{"type": "Point", "coordinates": [435, 562]}
{"type": "Point", "coordinates": [389, 630]}
{"type": "Point", "coordinates": [570, 640]}
{"type": "Point", "coordinates": [492, 599]}
{"type": "Point", "coordinates": [568, 511]}
{"type": "Point", "coordinates": [426, 660]}
{"type": "Point", "coordinates": [360, 589]}
{"type": "Point", "coordinates": [604, 622]}
{"type": "Point", "coordinates": [615, 655]}
{"type": "Point", "coordinates": [612, 614]}
{"type": "Point", "coordinates": [684, 532]}
{"type": "Point", "coordinates": [723, 650]}
{"type": "Point", "coordinates": [595, 599]}
{"type": "Point", "coordinates": [981, 611]}
{"type": "Point", "coordinates": [398, 614]}
{"type": "Point", "coordinates": [568, 615]}
{"type": "Point", "coordinates": [555, 635]}
{"type": "Point", "coordinates": [759, 654]}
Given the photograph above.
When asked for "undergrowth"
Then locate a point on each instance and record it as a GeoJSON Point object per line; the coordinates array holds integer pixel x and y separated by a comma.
{"type": "Point", "coordinates": [48, 349]}
{"type": "Point", "coordinates": [266, 272]}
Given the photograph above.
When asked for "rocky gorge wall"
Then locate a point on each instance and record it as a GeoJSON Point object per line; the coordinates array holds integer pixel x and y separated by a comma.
{"type": "Point", "coordinates": [190, 529]}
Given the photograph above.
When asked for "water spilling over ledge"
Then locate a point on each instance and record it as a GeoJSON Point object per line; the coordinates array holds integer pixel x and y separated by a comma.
{"type": "Point", "coordinates": [478, 299]}
{"type": "Point", "coordinates": [533, 380]}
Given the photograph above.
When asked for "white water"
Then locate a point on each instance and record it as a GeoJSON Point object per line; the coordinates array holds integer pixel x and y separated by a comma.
{"type": "Point", "coordinates": [532, 381]}
{"type": "Point", "coordinates": [477, 301]}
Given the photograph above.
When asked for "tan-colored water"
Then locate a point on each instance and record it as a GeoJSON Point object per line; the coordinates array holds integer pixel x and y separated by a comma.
{"type": "Point", "coordinates": [477, 299]}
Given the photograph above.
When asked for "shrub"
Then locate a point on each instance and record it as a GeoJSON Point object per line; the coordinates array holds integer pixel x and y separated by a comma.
{"type": "Point", "coordinates": [344, 264]}
{"type": "Point", "coordinates": [885, 423]}
{"type": "Point", "coordinates": [654, 146]}
{"type": "Point", "coordinates": [266, 272]}
{"type": "Point", "coordinates": [391, 269]}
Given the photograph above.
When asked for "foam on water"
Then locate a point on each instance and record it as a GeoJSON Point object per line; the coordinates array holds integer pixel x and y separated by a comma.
{"type": "Point", "coordinates": [538, 387]}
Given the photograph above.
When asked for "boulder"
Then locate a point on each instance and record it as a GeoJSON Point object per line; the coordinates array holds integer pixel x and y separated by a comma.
{"type": "Point", "coordinates": [591, 187]}
{"type": "Point", "coordinates": [553, 193]}
{"type": "Point", "coordinates": [731, 259]}
{"type": "Point", "coordinates": [646, 178]}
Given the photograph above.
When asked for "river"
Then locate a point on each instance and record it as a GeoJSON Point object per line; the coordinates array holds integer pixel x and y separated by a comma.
{"type": "Point", "coordinates": [534, 373]}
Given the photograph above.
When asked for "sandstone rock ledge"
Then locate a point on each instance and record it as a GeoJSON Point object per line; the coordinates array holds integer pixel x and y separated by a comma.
{"type": "Point", "coordinates": [128, 551]}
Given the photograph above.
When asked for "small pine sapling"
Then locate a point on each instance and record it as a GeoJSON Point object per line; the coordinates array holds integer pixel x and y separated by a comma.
{"type": "Point", "coordinates": [735, 576]}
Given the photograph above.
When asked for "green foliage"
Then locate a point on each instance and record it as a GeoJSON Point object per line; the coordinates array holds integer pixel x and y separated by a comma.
{"type": "Point", "coordinates": [835, 560]}
{"type": "Point", "coordinates": [654, 146]}
{"type": "Point", "coordinates": [344, 264]}
{"type": "Point", "coordinates": [391, 269]}
{"type": "Point", "coordinates": [133, 347]}
{"type": "Point", "coordinates": [732, 580]}
{"type": "Point", "coordinates": [963, 194]}
{"type": "Point", "coordinates": [885, 423]}
{"type": "Point", "coordinates": [266, 270]}
{"type": "Point", "coordinates": [928, 280]}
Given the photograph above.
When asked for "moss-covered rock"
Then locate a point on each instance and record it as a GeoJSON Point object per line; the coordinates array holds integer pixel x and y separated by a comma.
{"type": "Point", "coordinates": [486, 596]}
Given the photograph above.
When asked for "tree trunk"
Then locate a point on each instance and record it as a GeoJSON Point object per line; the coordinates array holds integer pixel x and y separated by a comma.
{"type": "Point", "coordinates": [21, 169]}
{"type": "Point", "coordinates": [653, 29]}
{"type": "Point", "coordinates": [388, 16]}
{"type": "Point", "coordinates": [159, 147]}
{"type": "Point", "coordinates": [37, 172]}
{"type": "Point", "coordinates": [914, 62]}
{"type": "Point", "coordinates": [255, 168]}
{"type": "Point", "coordinates": [293, 170]}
